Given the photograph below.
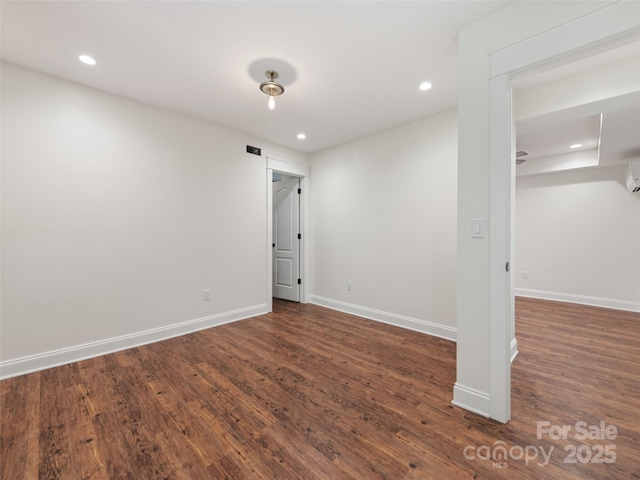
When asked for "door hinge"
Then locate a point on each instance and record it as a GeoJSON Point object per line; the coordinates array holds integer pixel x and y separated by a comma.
{"type": "Point", "coordinates": [507, 267]}
{"type": "Point", "coordinates": [299, 236]}
{"type": "Point", "coordinates": [299, 191]}
{"type": "Point", "coordinates": [299, 281]}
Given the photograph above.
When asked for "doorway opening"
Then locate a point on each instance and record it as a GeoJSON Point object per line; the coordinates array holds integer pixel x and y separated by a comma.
{"type": "Point", "coordinates": [287, 185]}
{"type": "Point", "coordinates": [598, 31]}
{"type": "Point", "coordinates": [286, 237]}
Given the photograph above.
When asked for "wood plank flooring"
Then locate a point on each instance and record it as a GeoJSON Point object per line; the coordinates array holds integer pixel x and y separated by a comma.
{"type": "Point", "coordinates": [309, 393]}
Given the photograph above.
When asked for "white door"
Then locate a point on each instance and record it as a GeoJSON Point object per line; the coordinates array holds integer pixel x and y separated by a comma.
{"type": "Point", "coordinates": [286, 241]}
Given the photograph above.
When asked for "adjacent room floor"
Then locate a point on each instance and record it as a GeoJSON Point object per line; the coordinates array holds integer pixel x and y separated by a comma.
{"type": "Point", "coordinates": [310, 393]}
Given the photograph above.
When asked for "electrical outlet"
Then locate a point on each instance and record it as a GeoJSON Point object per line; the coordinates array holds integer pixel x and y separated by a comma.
{"type": "Point", "coordinates": [349, 285]}
{"type": "Point", "coordinates": [206, 295]}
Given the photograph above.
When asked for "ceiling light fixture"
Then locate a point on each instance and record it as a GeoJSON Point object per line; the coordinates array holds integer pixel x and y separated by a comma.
{"type": "Point", "coordinates": [271, 87]}
{"type": "Point", "coordinates": [575, 145]}
{"type": "Point", "coordinates": [425, 86]}
{"type": "Point", "coordinates": [519, 155]}
{"type": "Point", "coordinates": [301, 136]}
{"type": "Point", "coordinates": [87, 59]}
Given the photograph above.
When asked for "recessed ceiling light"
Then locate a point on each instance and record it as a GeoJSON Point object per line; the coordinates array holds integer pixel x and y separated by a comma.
{"type": "Point", "coordinates": [301, 136]}
{"type": "Point", "coordinates": [425, 86]}
{"type": "Point", "coordinates": [87, 59]}
{"type": "Point", "coordinates": [575, 145]}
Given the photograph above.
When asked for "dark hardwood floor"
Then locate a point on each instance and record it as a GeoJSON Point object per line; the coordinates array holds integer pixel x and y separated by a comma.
{"type": "Point", "coordinates": [309, 393]}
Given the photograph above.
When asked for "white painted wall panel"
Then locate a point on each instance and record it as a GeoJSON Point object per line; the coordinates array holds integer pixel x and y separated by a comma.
{"type": "Point", "coordinates": [578, 233]}
{"type": "Point", "coordinates": [384, 217]}
{"type": "Point", "coordinates": [117, 215]}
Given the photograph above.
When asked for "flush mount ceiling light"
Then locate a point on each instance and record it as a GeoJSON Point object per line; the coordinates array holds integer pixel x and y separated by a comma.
{"type": "Point", "coordinates": [424, 86]}
{"type": "Point", "coordinates": [271, 87]}
{"type": "Point", "coordinates": [519, 155]}
{"type": "Point", "coordinates": [575, 145]}
{"type": "Point", "coordinates": [87, 59]}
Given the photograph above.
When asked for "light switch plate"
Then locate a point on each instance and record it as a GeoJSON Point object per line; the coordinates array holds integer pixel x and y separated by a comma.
{"type": "Point", "coordinates": [477, 228]}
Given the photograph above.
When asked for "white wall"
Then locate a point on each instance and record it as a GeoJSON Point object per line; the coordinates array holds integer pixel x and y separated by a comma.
{"type": "Point", "coordinates": [578, 237]}
{"type": "Point", "coordinates": [383, 214]}
{"type": "Point", "coordinates": [116, 216]}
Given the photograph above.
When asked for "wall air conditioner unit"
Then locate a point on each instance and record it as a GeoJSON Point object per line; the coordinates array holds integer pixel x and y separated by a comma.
{"type": "Point", "coordinates": [633, 177]}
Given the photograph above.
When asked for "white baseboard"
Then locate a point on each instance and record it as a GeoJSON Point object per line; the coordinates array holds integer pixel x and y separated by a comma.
{"type": "Point", "coordinates": [422, 326]}
{"type": "Point", "coordinates": [34, 363]}
{"type": "Point", "coordinates": [514, 349]}
{"type": "Point", "coordinates": [471, 399]}
{"type": "Point", "coordinates": [581, 299]}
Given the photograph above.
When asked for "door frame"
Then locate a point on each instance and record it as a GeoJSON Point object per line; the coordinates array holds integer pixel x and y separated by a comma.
{"type": "Point", "coordinates": [584, 36]}
{"type": "Point", "coordinates": [273, 165]}
{"type": "Point", "coordinates": [289, 186]}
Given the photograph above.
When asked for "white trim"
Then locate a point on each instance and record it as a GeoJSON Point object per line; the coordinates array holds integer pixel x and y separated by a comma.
{"type": "Point", "coordinates": [288, 168]}
{"type": "Point", "coordinates": [577, 38]}
{"type": "Point", "coordinates": [302, 172]}
{"type": "Point", "coordinates": [422, 326]}
{"type": "Point", "coordinates": [304, 244]}
{"type": "Point", "coordinates": [580, 299]}
{"type": "Point", "coordinates": [470, 399]}
{"type": "Point", "coordinates": [42, 361]}
{"type": "Point", "coordinates": [514, 349]}
{"type": "Point", "coordinates": [269, 239]}
{"type": "Point", "coordinates": [500, 277]}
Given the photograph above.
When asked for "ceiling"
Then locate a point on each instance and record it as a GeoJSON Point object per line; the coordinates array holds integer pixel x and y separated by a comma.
{"type": "Point", "coordinates": [606, 123]}
{"type": "Point", "coordinates": [350, 69]}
